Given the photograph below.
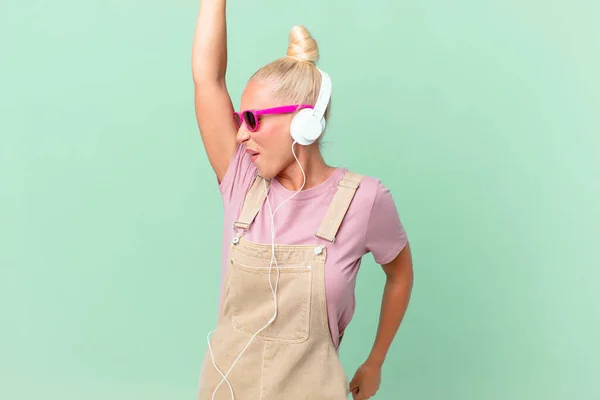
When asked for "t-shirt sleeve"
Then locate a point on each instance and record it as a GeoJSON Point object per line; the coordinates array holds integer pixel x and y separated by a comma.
{"type": "Point", "coordinates": [239, 176]}
{"type": "Point", "coordinates": [385, 236]}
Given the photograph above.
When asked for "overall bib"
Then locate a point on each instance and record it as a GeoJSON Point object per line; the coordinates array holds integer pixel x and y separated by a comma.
{"type": "Point", "coordinates": [294, 357]}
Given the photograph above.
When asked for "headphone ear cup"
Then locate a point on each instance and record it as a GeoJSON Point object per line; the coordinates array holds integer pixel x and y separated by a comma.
{"type": "Point", "coordinates": [305, 128]}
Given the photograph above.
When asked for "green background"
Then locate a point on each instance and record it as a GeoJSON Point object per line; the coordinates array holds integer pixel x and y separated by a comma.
{"type": "Point", "coordinates": [481, 117]}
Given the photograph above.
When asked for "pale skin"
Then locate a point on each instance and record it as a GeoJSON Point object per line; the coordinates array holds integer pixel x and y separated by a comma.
{"type": "Point", "coordinates": [273, 143]}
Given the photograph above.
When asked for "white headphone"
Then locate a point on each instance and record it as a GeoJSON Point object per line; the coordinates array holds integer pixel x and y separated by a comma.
{"type": "Point", "coordinates": [308, 125]}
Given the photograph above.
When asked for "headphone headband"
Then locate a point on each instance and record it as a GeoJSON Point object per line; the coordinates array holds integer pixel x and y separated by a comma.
{"type": "Point", "coordinates": [308, 125]}
{"type": "Point", "coordinates": [324, 95]}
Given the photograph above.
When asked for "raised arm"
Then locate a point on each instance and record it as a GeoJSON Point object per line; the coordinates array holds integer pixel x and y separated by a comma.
{"type": "Point", "coordinates": [214, 110]}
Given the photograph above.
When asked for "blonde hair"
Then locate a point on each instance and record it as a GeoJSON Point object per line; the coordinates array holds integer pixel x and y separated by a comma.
{"type": "Point", "coordinates": [296, 75]}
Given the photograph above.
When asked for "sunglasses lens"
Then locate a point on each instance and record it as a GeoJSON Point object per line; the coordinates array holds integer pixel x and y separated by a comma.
{"type": "Point", "coordinates": [250, 120]}
{"type": "Point", "coordinates": [238, 121]}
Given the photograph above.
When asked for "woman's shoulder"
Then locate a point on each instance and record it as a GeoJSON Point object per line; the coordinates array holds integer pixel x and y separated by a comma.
{"type": "Point", "coordinates": [371, 194]}
{"type": "Point", "coordinates": [370, 187]}
{"type": "Point", "coordinates": [375, 207]}
{"type": "Point", "coordinates": [239, 175]}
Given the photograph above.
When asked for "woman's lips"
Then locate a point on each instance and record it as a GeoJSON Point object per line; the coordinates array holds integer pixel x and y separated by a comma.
{"type": "Point", "coordinates": [253, 154]}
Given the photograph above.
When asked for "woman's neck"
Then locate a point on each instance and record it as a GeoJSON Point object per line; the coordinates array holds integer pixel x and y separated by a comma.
{"type": "Point", "coordinates": [316, 169]}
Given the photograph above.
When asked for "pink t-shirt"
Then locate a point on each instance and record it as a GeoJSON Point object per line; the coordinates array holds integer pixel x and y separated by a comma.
{"type": "Point", "coordinates": [371, 225]}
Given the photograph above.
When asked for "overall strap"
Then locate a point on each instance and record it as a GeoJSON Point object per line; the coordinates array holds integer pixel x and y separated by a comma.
{"type": "Point", "coordinates": [339, 206]}
{"type": "Point", "coordinates": [252, 203]}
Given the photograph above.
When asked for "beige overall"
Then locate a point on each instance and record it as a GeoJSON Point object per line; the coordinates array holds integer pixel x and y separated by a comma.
{"type": "Point", "coordinates": [294, 357]}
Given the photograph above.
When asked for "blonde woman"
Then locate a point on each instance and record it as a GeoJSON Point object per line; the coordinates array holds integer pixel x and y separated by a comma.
{"type": "Point", "coordinates": [295, 231]}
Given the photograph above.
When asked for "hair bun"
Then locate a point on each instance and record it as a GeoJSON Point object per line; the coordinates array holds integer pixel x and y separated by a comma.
{"type": "Point", "coordinates": [302, 46]}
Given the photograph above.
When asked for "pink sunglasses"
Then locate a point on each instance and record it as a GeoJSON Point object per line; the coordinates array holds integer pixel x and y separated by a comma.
{"type": "Point", "coordinates": [250, 117]}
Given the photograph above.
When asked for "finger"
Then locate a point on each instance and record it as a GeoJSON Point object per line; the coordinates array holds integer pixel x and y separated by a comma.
{"type": "Point", "coordinates": [364, 395]}
{"type": "Point", "coordinates": [354, 392]}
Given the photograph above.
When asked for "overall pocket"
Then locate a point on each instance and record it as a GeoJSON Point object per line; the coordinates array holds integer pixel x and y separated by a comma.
{"type": "Point", "coordinates": [253, 303]}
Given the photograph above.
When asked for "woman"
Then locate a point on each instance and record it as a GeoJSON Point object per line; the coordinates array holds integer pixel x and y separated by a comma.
{"type": "Point", "coordinates": [284, 307]}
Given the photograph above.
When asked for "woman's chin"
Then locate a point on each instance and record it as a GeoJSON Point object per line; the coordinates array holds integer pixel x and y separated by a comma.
{"type": "Point", "coordinates": [266, 173]}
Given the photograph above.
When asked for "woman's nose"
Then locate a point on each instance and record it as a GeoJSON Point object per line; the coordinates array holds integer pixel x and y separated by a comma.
{"type": "Point", "coordinates": [242, 135]}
